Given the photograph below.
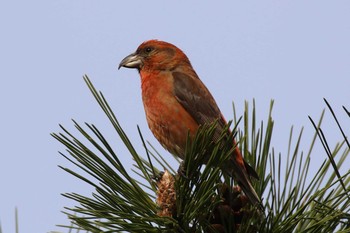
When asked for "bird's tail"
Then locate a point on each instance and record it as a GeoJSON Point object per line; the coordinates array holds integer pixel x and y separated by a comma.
{"type": "Point", "coordinates": [241, 172]}
{"type": "Point", "coordinates": [249, 191]}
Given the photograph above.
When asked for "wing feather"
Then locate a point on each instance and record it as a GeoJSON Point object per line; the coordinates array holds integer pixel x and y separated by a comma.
{"type": "Point", "coordinates": [196, 99]}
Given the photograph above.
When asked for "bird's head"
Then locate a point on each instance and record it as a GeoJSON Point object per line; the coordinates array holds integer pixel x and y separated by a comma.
{"type": "Point", "coordinates": [155, 55]}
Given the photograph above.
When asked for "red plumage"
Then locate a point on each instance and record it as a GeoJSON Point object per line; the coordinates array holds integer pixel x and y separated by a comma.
{"type": "Point", "coordinates": [176, 103]}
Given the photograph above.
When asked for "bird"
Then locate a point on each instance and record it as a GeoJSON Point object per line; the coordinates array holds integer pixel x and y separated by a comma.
{"type": "Point", "coordinates": [177, 103]}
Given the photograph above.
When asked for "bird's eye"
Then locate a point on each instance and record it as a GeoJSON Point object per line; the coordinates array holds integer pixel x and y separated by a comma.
{"type": "Point", "coordinates": [148, 49]}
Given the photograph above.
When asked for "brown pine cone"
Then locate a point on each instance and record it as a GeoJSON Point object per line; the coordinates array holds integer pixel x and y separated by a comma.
{"type": "Point", "coordinates": [166, 196]}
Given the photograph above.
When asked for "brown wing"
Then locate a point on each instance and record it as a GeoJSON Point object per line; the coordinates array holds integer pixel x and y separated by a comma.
{"type": "Point", "coordinates": [196, 99]}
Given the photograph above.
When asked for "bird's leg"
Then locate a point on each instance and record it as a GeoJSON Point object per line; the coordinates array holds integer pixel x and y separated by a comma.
{"type": "Point", "coordinates": [157, 177]}
{"type": "Point", "coordinates": [181, 171]}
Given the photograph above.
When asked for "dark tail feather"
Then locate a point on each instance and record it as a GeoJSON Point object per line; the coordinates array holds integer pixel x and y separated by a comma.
{"type": "Point", "coordinates": [251, 171]}
{"type": "Point", "coordinates": [241, 176]}
{"type": "Point", "coordinates": [249, 191]}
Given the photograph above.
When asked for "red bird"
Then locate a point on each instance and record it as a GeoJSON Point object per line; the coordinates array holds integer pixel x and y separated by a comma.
{"type": "Point", "coordinates": [176, 103]}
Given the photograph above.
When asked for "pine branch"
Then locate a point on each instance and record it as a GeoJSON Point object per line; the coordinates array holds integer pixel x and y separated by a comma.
{"type": "Point", "coordinates": [200, 198]}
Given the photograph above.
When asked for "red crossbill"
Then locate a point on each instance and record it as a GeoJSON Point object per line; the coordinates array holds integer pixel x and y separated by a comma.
{"type": "Point", "coordinates": [176, 103]}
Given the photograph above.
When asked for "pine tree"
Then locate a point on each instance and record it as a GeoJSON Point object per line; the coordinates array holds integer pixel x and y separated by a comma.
{"type": "Point", "coordinates": [156, 197]}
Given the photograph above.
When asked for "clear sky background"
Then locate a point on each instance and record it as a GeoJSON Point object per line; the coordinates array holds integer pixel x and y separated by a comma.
{"type": "Point", "coordinates": [296, 52]}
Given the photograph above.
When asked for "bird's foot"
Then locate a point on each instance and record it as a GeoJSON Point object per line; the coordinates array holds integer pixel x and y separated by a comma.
{"type": "Point", "coordinates": [181, 171]}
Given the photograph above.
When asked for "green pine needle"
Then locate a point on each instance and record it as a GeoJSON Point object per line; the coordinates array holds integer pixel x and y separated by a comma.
{"type": "Point", "coordinates": [124, 201]}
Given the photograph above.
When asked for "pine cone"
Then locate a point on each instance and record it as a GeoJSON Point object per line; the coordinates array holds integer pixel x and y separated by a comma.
{"type": "Point", "coordinates": [166, 196]}
{"type": "Point", "coordinates": [230, 211]}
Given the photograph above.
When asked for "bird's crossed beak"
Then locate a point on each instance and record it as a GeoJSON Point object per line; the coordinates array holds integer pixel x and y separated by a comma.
{"type": "Point", "coordinates": [132, 61]}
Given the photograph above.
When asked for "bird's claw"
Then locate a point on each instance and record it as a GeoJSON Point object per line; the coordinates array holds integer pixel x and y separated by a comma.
{"type": "Point", "coordinates": [157, 177]}
{"type": "Point", "coordinates": [181, 171]}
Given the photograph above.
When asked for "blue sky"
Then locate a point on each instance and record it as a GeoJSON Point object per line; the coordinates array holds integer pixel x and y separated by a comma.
{"type": "Point", "coordinates": [295, 52]}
